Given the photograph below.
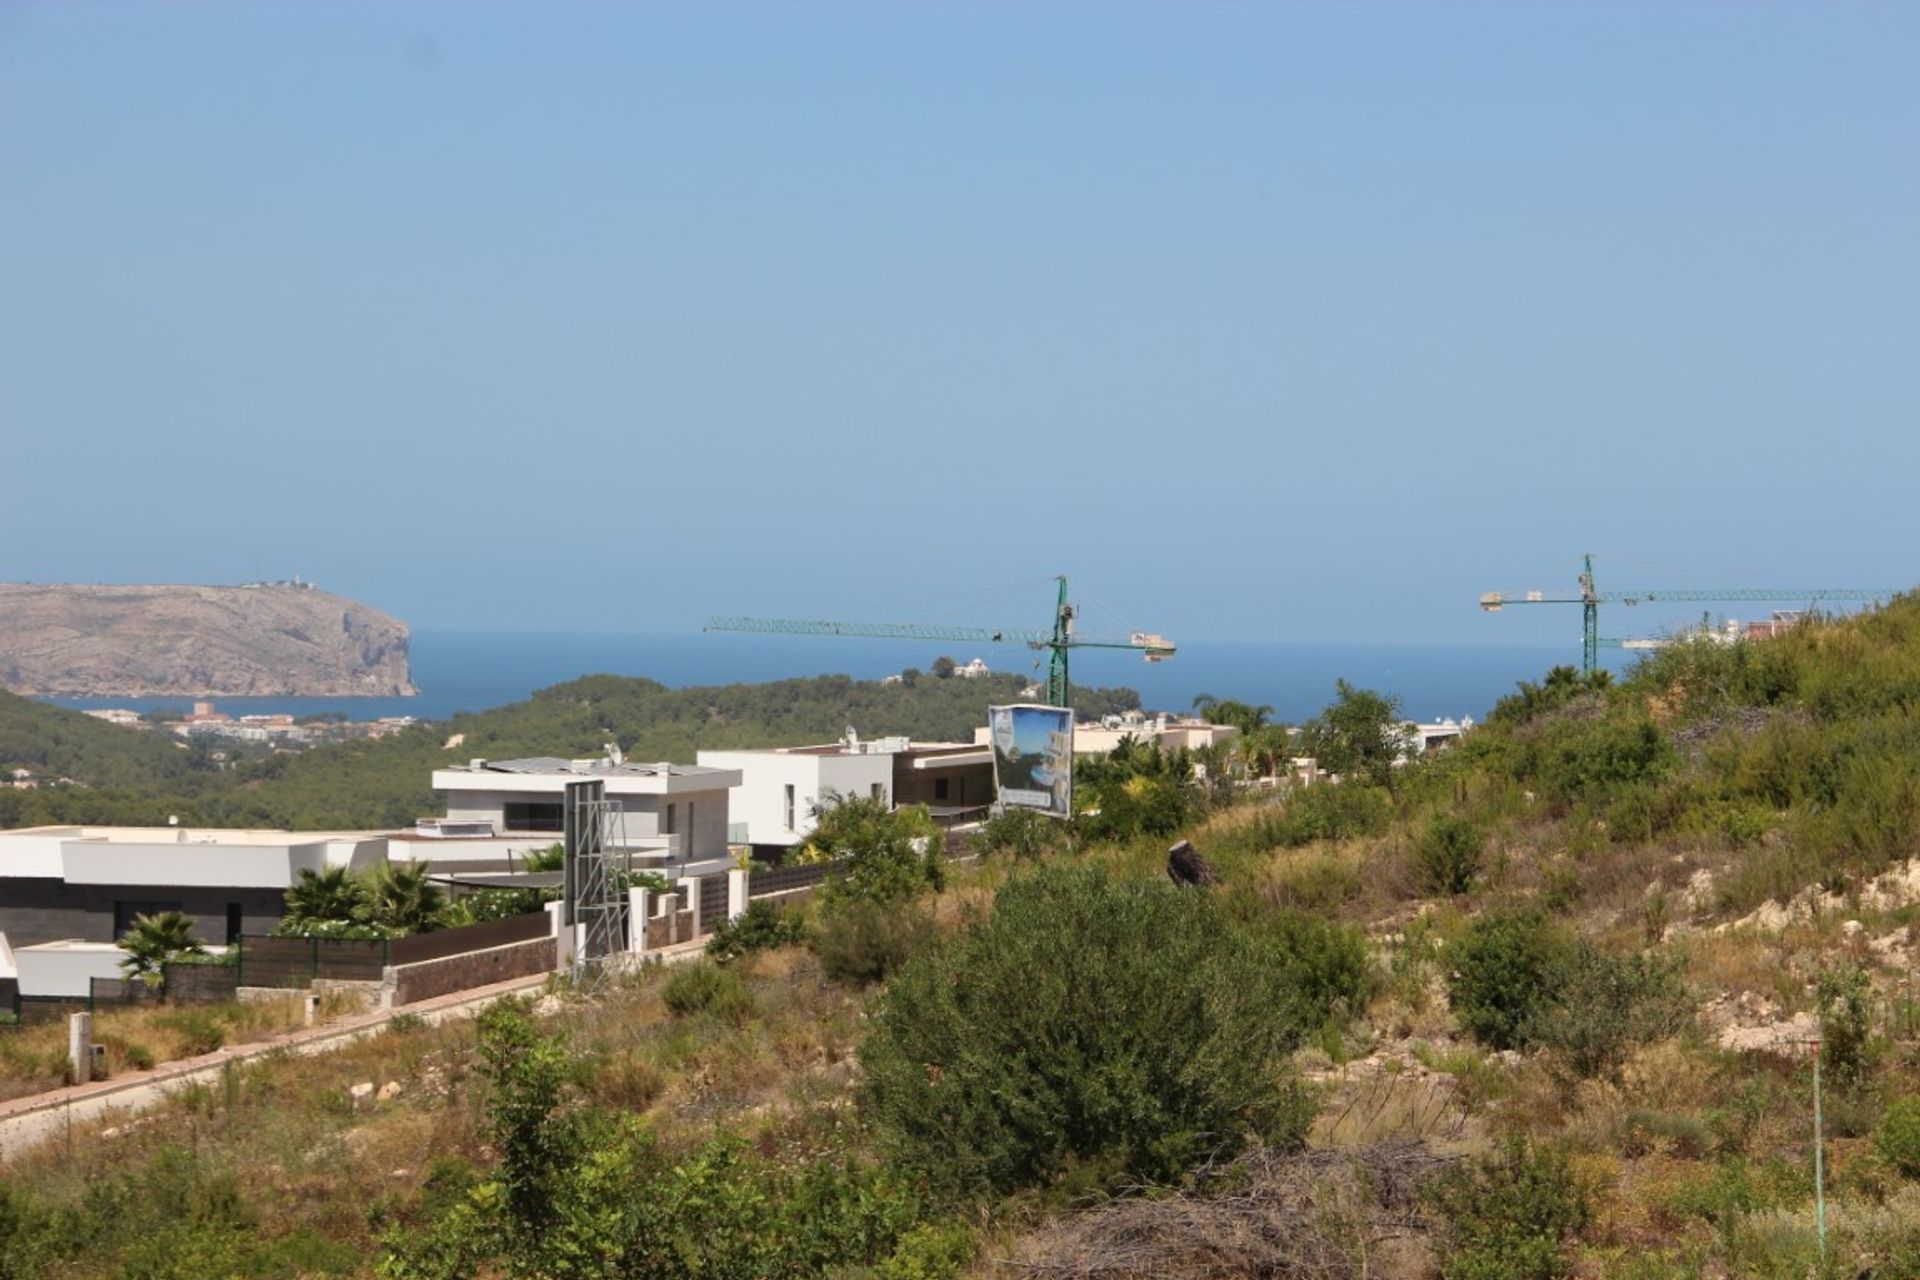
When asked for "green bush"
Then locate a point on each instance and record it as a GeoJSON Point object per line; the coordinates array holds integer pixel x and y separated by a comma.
{"type": "Point", "coordinates": [1503, 971]}
{"type": "Point", "coordinates": [708, 988]}
{"type": "Point", "coordinates": [1845, 994]}
{"type": "Point", "coordinates": [931, 1251]}
{"type": "Point", "coordinates": [1509, 1214]}
{"type": "Point", "coordinates": [1021, 832]}
{"type": "Point", "coordinates": [1326, 811]}
{"type": "Point", "coordinates": [761, 927]}
{"type": "Point", "coordinates": [1328, 966]}
{"type": "Point", "coordinates": [1603, 1006]}
{"type": "Point", "coordinates": [1127, 1029]}
{"type": "Point", "coordinates": [865, 942]}
{"type": "Point", "coordinates": [1898, 1138]}
{"type": "Point", "coordinates": [200, 1030]}
{"type": "Point", "coordinates": [1447, 855]}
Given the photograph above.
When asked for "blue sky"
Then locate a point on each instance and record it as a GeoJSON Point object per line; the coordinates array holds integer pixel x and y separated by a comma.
{"type": "Point", "coordinates": [1295, 322]}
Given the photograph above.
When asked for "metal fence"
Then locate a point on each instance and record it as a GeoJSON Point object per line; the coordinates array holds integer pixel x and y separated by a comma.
{"type": "Point", "coordinates": [805, 875]}
{"type": "Point", "coordinates": [713, 902]}
{"type": "Point", "coordinates": [296, 962]}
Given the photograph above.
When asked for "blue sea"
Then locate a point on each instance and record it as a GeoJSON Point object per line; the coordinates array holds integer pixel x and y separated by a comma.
{"type": "Point", "coordinates": [476, 670]}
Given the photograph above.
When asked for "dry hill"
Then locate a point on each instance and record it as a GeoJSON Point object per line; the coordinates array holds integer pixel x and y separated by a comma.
{"type": "Point", "coordinates": [270, 639]}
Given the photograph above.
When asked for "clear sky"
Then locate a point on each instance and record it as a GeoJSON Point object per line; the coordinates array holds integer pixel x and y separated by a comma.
{"type": "Point", "coordinates": [1297, 321]}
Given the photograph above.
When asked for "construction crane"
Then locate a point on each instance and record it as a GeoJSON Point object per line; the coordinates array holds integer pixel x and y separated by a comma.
{"type": "Point", "coordinates": [1591, 598]}
{"type": "Point", "coordinates": [1057, 642]}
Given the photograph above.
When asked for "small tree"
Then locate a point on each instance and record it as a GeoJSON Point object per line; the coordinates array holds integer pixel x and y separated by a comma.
{"type": "Point", "coordinates": [1359, 735]}
{"type": "Point", "coordinates": [156, 939]}
{"type": "Point", "coordinates": [890, 854]}
{"type": "Point", "coordinates": [333, 894]}
{"type": "Point", "coordinates": [400, 896]}
{"type": "Point", "coordinates": [943, 667]}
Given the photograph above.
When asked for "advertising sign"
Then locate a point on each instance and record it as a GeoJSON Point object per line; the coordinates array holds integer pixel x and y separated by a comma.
{"type": "Point", "coordinates": [1033, 757]}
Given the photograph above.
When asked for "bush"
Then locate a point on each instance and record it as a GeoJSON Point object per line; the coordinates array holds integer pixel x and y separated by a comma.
{"type": "Point", "coordinates": [1326, 811]}
{"type": "Point", "coordinates": [1845, 994]}
{"type": "Point", "coordinates": [1506, 969]}
{"type": "Point", "coordinates": [1447, 855]}
{"type": "Point", "coordinates": [931, 1252]}
{"type": "Point", "coordinates": [1898, 1138]}
{"type": "Point", "coordinates": [761, 927]}
{"type": "Point", "coordinates": [890, 855]}
{"type": "Point", "coordinates": [1508, 1214]}
{"type": "Point", "coordinates": [199, 1030]}
{"type": "Point", "coordinates": [1129, 1029]}
{"type": "Point", "coordinates": [1327, 965]}
{"type": "Point", "coordinates": [708, 988]}
{"type": "Point", "coordinates": [1603, 1006]}
{"type": "Point", "coordinates": [1021, 832]}
{"type": "Point", "coordinates": [865, 942]}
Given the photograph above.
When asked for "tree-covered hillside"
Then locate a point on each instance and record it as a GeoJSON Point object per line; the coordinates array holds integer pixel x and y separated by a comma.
{"type": "Point", "coordinates": [137, 777]}
{"type": "Point", "coordinates": [53, 742]}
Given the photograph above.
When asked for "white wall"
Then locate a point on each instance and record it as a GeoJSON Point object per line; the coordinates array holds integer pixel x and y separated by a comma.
{"type": "Point", "coordinates": [34, 854]}
{"type": "Point", "coordinates": [65, 968]}
{"type": "Point", "coordinates": [760, 798]}
{"type": "Point", "coordinates": [219, 866]}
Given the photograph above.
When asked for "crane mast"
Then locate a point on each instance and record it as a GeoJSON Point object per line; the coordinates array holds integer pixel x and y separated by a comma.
{"type": "Point", "coordinates": [1591, 598]}
{"type": "Point", "coordinates": [1057, 642]}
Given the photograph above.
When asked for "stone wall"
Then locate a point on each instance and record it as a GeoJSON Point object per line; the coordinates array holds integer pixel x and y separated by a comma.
{"type": "Point", "coordinates": [409, 983]}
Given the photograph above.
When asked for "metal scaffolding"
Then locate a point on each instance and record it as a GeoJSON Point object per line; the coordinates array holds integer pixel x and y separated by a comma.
{"type": "Point", "coordinates": [599, 871]}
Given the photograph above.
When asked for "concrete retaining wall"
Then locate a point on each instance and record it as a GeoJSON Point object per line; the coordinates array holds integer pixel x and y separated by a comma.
{"type": "Point", "coordinates": [405, 984]}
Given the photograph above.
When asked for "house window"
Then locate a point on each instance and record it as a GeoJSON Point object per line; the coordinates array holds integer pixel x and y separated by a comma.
{"type": "Point", "coordinates": [125, 913]}
{"type": "Point", "coordinates": [789, 807]}
{"type": "Point", "coordinates": [939, 788]}
{"type": "Point", "coordinates": [666, 826]}
{"type": "Point", "coordinates": [233, 923]}
{"type": "Point", "coordinates": [878, 791]}
{"type": "Point", "coordinates": [690, 827]}
{"type": "Point", "coordinates": [532, 815]}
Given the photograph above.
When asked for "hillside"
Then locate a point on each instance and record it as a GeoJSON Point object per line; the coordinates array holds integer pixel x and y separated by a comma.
{"type": "Point", "coordinates": [270, 639]}
{"type": "Point", "coordinates": [1537, 1008]}
{"type": "Point", "coordinates": [52, 742]}
{"type": "Point", "coordinates": [385, 782]}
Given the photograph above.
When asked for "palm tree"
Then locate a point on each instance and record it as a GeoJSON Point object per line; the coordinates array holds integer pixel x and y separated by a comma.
{"type": "Point", "coordinates": [156, 939]}
{"type": "Point", "coordinates": [332, 894]}
{"type": "Point", "coordinates": [401, 897]}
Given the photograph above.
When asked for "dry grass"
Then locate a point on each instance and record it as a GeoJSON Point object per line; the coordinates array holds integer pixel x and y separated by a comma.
{"type": "Point", "coordinates": [33, 1058]}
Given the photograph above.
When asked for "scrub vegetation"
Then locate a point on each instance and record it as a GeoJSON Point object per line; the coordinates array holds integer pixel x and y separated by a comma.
{"type": "Point", "coordinates": [1537, 1006]}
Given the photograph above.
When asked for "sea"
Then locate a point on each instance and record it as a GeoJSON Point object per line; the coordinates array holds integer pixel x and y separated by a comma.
{"type": "Point", "coordinates": [460, 671]}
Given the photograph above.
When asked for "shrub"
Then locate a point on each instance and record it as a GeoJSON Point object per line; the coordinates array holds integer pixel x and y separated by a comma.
{"type": "Point", "coordinates": [1508, 1214]}
{"type": "Point", "coordinates": [865, 942]}
{"type": "Point", "coordinates": [708, 988]}
{"type": "Point", "coordinates": [1603, 1006]}
{"type": "Point", "coordinates": [1505, 969]}
{"type": "Point", "coordinates": [931, 1251]}
{"type": "Point", "coordinates": [1898, 1138]}
{"type": "Point", "coordinates": [1021, 832]}
{"type": "Point", "coordinates": [136, 1055]}
{"type": "Point", "coordinates": [1845, 993]}
{"type": "Point", "coordinates": [1130, 1029]}
{"type": "Point", "coordinates": [1327, 965]}
{"type": "Point", "coordinates": [199, 1030]}
{"type": "Point", "coordinates": [1447, 855]}
{"type": "Point", "coordinates": [890, 855]}
{"type": "Point", "coordinates": [761, 927]}
{"type": "Point", "coordinates": [1326, 811]}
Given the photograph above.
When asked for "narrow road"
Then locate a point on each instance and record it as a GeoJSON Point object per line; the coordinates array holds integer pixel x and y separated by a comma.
{"type": "Point", "coordinates": [26, 1123]}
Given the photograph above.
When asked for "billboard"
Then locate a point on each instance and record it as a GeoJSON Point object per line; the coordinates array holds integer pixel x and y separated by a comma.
{"type": "Point", "coordinates": [1033, 757]}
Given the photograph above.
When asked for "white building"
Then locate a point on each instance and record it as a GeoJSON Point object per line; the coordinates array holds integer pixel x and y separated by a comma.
{"type": "Point", "coordinates": [672, 816]}
{"type": "Point", "coordinates": [781, 787]}
{"type": "Point", "coordinates": [88, 883]}
{"type": "Point", "coordinates": [1168, 732]}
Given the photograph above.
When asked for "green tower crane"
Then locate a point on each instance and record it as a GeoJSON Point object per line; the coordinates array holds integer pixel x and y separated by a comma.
{"type": "Point", "coordinates": [1591, 598]}
{"type": "Point", "coordinates": [1058, 642]}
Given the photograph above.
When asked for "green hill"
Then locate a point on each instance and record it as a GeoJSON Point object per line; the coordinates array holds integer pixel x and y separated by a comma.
{"type": "Point", "coordinates": [136, 777]}
{"type": "Point", "coordinates": [56, 743]}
